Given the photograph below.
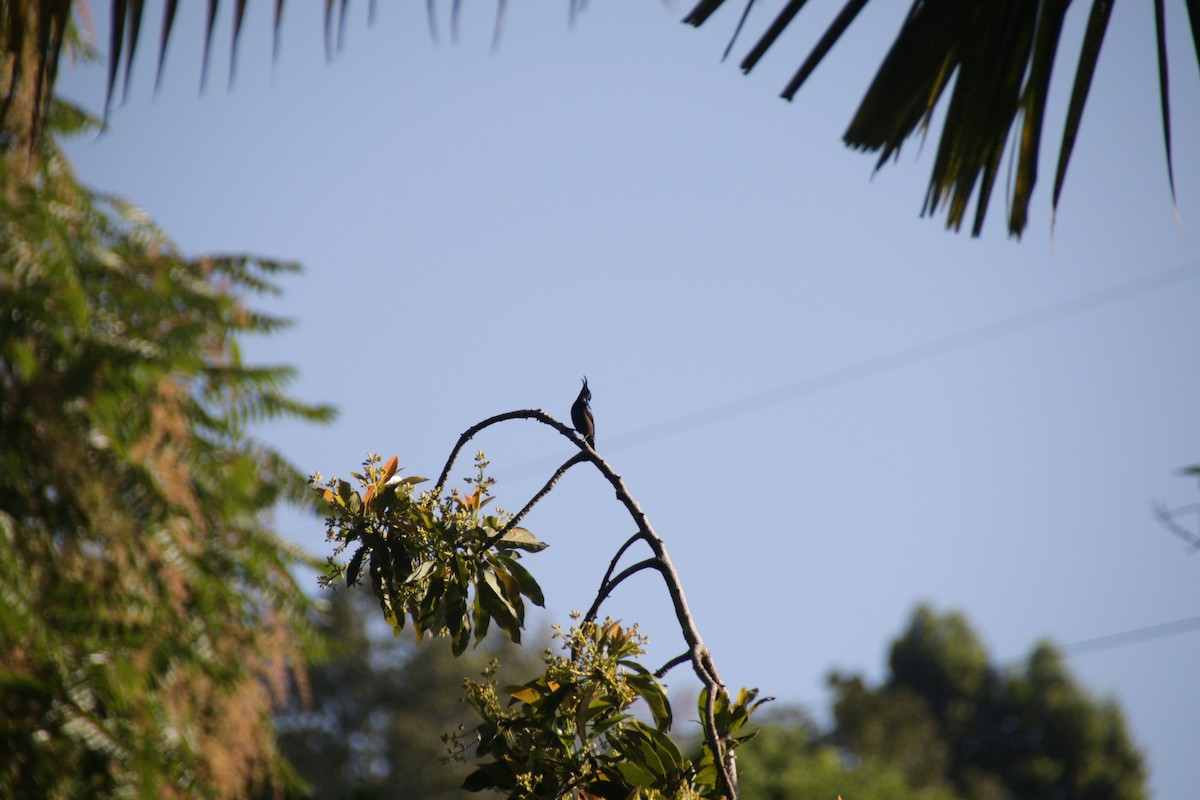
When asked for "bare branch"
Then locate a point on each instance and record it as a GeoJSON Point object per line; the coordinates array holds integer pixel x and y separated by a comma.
{"type": "Point", "coordinates": [529, 413]}
{"type": "Point", "coordinates": [612, 565]}
{"type": "Point", "coordinates": [662, 671]}
{"type": "Point", "coordinates": [702, 664]}
{"type": "Point", "coordinates": [698, 654]}
{"type": "Point", "coordinates": [578, 458]}
{"type": "Point", "coordinates": [1166, 516]}
{"type": "Point", "coordinates": [607, 588]}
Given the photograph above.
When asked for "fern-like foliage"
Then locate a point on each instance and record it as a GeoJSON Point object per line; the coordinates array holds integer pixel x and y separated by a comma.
{"type": "Point", "coordinates": [149, 619]}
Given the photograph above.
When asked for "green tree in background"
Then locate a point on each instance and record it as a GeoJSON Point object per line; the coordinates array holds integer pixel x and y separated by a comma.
{"type": "Point", "coordinates": [370, 727]}
{"type": "Point", "coordinates": [149, 618]}
{"type": "Point", "coordinates": [946, 718]}
{"type": "Point", "coordinates": [789, 760]}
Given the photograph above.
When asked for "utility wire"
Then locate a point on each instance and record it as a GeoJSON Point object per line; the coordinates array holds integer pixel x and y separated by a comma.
{"type": "Point", "coordinates": [1114, 641]}
{"type": "Point", "coordinates": [877, 365]}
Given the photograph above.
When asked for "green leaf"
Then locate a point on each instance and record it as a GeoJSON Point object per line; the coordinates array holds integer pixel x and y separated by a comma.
{"type": "Point", "coordinates": [522, 540]}
{"type": "Point", "coordinates": [602, 726]}
{"type": "Point", "coordinates": [460, 640]}
{"type": "Point", "coordinates": [355, 565]}
{"type": "Point", "coordinates": [423, 571]}
{"type": "Point", "coordinates": [635, 773]}
{"type": "Point", "coordinates": [490, 776]}
{"type": "Point", "coordinates": [509, 586]}
{"type": "Point", "coordinates": [639, 747]}
{"type": "Point", "coordinates": [455, 608]}
{"type": "Point", "coordinates": [430, 603]}
{"type": "Point", "coordinates": [491, 595]}
{"type": "Point", "coordinates": [650, 690]}
{"type": "Point", "coordinates": [529, 586]}
{"type": "Point", "coordinates": [481, 617]}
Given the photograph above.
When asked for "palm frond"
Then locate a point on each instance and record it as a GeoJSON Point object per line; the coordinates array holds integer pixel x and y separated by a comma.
{"type": "Point", "coordinates": [1089, 54]}
{"type": "Point", "coordinates": [1193, 7]}
{"type": "Point", "coordinates": [999, 58]}
{"type": "Point", "coordinates": [1160, 37]}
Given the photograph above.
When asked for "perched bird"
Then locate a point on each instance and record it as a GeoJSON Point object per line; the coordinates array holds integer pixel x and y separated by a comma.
{"type": "Point", "coordinates": [581, 414]}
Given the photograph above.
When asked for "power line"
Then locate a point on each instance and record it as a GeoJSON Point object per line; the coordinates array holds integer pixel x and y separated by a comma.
{"type": "Point", "coordinates": [1114, 641]}
{"type": "Point", "coordinates": [877, 365]}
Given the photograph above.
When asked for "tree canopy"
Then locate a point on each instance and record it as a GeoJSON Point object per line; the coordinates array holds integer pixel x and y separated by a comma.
{"type": "Point", "coordinates": [948, 718]}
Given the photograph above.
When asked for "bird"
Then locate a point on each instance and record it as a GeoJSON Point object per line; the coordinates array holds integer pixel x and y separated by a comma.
{"type": "Point", "coordinates": [581, 414]}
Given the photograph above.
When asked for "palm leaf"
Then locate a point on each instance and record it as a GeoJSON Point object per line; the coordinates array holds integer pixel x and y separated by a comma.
{"type": "Point", "coordinates": [168, 21]}
{"type": "Point", "coordinates": [1160, 31]}
{"type": "Point", "coordinates": [998, 56]}
{"type": "Point", "coordinates": [835, 31]}
{"type": "Point", "coordinates": [1193, 7]}
{"type": "Point", "coordinates": [1001, 56]}
{"type": "Point", "coordinates": [1033, 108]}
{"type": "Point", "coordinates": [1092, 38]}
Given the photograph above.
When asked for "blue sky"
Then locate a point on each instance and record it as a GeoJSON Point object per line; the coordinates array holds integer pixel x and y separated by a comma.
{"type": "Point", "coordinates": [802, 381]}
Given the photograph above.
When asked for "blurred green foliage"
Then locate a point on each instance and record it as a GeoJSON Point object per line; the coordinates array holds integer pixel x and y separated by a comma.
{"type": "Point", "coordinates": [945, 723]}
{"type": "Point", "coordinates": [148, 616]}
{"type": "Point", "coordinates": [375, 719]}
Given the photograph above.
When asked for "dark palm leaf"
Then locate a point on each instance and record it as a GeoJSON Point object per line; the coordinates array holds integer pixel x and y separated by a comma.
{"type": "Point", "coordinates": [997, 56]}
{"type": "Point", "coordinates": [1001, 56]}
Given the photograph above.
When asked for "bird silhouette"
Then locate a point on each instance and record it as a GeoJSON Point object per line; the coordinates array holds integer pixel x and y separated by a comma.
{"type": "Point", "coordinates": [581, 414]}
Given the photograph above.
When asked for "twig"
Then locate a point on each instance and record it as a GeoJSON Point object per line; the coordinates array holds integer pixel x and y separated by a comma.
{"type": "Point", "coordinates": [607, 587]}
{"type": "Point", "coordinates": [529, 413]}
{"type": "Point", "coordinates": [612, 565]}
{"type": "Point", "coordinates": [1167, 517]}
{"type": "Point", "coordinates": [701, 662]}
{"type": "Point", "coordinates": [662, 671]}
{"type": "Point", "coordinates": [578, 458]}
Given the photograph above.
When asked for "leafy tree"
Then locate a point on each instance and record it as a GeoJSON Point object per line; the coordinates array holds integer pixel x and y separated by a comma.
{"type": "Point", "coordinates": [788, 760]}
{"type": "Point", "coordinates": [948, 719]}
{"type": "Point", "coordinates": [375, 709]}
{"type": "Point", "coordinates": [439, 562]}
{"type": "Point", "coordinates": [994, 58]}
{"type": "Point", "coordinates": [149, 618]}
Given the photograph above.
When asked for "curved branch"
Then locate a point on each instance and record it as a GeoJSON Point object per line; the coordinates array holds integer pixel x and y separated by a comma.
{"type": "Point", "coordinates": [612, 565]}
{"type": "Point", "coordinates": [702, 664]}
{"type": "Point", "coordinates": [662, 671]}
{"type": "Point", "coordinates": [529, 413]}
{"type": "Point", "coordinates": [607, 588]}
{"type": "Point", "coordinates": [512, 523]}
{"type": "Point", "coordinates": [578, 458]}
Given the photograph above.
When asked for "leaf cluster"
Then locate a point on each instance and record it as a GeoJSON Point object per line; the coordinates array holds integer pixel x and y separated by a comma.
{"type": "Point", "coordinates": [440, 562]}
{"type": "Point", "coordinates": [571, 732]}
{"type": "Point", "coordinates": [443, 564]}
